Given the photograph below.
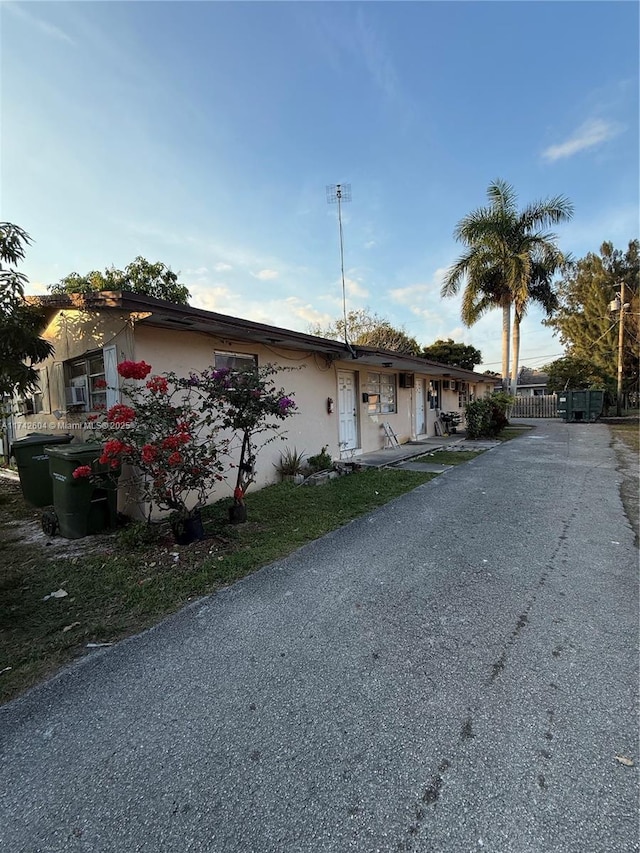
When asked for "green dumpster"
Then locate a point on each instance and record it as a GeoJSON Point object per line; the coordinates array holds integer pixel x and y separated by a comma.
{"type": "Point", "coordinates": [33, 466]}
{"type": "Point", "coordinates": [82, 505]}
{"type": "Point", "coordinates": [580, 405]}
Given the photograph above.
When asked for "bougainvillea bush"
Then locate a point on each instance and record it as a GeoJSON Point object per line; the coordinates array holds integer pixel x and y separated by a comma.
{"type": "Point", "coordinates": [170, 445]}
{"type": "Point", "coordinates": [251, 409]}
{"type": "Point", "coordinates": [180, 434]}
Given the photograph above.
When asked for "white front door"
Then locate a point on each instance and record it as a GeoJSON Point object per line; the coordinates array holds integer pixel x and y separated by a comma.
{"type": "Point", "coordinates": [347, 410]}
{"type": "Point", "coordinates": [421, 427]}
{"type": "Point", "coordinates": [434, 406]}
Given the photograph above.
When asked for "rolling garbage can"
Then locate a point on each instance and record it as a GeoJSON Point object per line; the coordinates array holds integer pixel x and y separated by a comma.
{"type": "Point", "coordinates": [82, 505]}
{"type": "Point", "coordinates": [32, 460]}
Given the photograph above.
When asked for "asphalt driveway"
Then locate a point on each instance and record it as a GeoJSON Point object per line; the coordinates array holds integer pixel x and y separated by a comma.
{"type": "Point", "coordinates": [455, 672]}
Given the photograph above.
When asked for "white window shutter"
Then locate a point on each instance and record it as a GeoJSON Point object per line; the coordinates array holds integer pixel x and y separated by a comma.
{"type": "Point", "coordinates": [44, 389]}
{"type": "Point", "coordinates": [110, 355]}
{"type": "Point", "coordinates": [58, 398]}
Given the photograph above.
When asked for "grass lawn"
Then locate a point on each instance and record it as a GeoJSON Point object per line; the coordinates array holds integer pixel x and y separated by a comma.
{"type": "Point", "coordinates": [115, 589]}
{"type": "Point", "coordinates": [512, 432]}
{"type": "Point", "coordinates": [449, 457]}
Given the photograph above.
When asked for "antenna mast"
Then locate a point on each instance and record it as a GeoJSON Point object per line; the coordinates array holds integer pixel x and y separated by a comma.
{"type": "Point", "coordinates": [338, 193]}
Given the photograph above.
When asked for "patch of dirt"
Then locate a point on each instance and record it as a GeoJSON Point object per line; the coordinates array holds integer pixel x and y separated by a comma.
{"type": "Point", "coordinates": [30, 533]}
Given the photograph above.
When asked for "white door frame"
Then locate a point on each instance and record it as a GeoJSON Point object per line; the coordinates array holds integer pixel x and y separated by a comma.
{"type": "Point", "coordinates": [420, 410]}
{"type": "Point", "coordinates": [348, 425]}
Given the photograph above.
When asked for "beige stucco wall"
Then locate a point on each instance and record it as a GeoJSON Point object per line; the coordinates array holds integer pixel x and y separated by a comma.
{"type": "Point", "coordinates": [74, 333]}
{"type": "Point", "coordinates": [312, 381]}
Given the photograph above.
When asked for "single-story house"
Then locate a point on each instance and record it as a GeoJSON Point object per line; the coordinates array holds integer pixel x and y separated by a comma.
{"type": "Point", "coordinates": [532, 383]}
{"type": "Point", "coordinates": [345, 395]}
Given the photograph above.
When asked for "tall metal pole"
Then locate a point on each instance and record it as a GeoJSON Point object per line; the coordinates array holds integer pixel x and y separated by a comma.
{"type": "Point", "coordinates": [620, 351]}
{"type": "Point", "coordinates": [339, 193]}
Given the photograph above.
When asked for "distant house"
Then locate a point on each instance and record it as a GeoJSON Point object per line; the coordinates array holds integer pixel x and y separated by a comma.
{"type": "Point", "coordinates": [532, 383]}
{"type": "Point", "coordinates": [344, 394]}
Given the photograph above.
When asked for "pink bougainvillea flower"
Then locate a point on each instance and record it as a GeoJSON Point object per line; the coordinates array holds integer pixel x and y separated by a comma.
{"type": "Point", "coordinates": [175, 458]}
{"type": "Point", "coordinates": [99, 383]}
{"type": "Point", "coordinates": [285, 403]}
{"type": "Point", "coordinates": [82, 471]}
{"type": "Point", "coordinates": [134, 369]}
{"type": "Point", "coordinates": [121, 414]}
{"type": "Point", "coordinates": [238, 494]}
{"type": "Point", "coordinates": [158, 384]}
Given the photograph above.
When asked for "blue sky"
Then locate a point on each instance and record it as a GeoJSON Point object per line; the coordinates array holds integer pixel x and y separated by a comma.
{"type": "Point", "coordinates": [203, 134]}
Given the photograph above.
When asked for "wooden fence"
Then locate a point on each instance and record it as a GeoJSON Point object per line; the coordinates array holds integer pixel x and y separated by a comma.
{"type": "Point", "coordinates": [534, 407]}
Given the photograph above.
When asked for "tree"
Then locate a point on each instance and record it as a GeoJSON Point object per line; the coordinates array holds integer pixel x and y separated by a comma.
{"type": "Point", "coordinates": [21, 346]}
{"type": "Point", "coordinates": [584, 321]}
{"type": "Point", "coordinates": [368, 329]}
{"type": "Point", "coordinates": [140, 276]}
{"type": "Point", "coordinates": [448, 352]}
{"type": "Point", "coordinates": [509, 261]}
{"type": "Point", "coordinates": [575, 373]}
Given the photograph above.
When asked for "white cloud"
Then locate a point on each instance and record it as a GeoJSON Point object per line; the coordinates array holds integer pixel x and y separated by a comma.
{"type": "Point", "coordinates": [18, 9]}
{"type": "Point", "coordinates": [199, 271]}
{"type": "Point", "coordinates": [369, 244]}
{"type": "Point", "coordinates": [376, 58]}
{"type": "Point", "coordinates": [218, 298]}
{"type": "Point", "coordinates": [307, 312]}
{"type": "Point", "coordinates": [588, 135]}
{"type": "Point", "coordinates": [36, 288]}
{"type": "Point", "coordinates": [222, 267]}
{"type": "Point", "coordinates": [265, 275]}
{"type": "Point", "coordinates": [416, 294]}
{"type": "Point", "coordinates": [354, 288]}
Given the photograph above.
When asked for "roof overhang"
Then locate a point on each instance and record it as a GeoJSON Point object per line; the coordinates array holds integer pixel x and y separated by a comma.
{"type": "Point", "coordinates": [167, 315]}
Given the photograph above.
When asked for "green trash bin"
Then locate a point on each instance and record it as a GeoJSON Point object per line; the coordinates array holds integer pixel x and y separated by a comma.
{"type": "Point", "coordinates": [32, 460]}
{"type": "Point", "coordinates": [83, 505]}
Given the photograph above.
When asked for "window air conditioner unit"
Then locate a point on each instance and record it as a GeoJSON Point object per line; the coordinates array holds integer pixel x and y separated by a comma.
{"type": "Point", "coordinates": [407, 380]}
{"type": "Point", "coordinates": [448, 385]}
{"type": "Point", "coordinates": [75, 395]}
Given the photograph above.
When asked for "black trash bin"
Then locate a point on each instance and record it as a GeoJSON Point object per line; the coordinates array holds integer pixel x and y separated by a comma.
{"type": "Point", "coordinates": [32, 460]}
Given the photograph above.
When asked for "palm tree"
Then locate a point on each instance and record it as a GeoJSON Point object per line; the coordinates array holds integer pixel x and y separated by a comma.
{"type": "Point", "coordinates": [509, 261]}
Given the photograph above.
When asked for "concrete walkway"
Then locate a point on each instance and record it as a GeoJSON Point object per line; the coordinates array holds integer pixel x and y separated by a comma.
{"type": "Point", "coordinates": [455, 672]}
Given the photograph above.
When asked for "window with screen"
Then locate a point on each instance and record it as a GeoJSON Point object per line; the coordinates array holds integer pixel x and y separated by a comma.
{"type": "Point", "coordinates": [381, 388]}
{"type": "Point", "coordinates": [235, 361]}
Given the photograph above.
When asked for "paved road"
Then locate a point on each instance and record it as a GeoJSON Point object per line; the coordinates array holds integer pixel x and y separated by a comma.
{"type": "Point", "coordinates": [455, 672]}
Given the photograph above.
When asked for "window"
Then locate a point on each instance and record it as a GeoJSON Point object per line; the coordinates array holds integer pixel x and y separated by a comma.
{"type": "Point", "coordinates": [434, 394]}
{"type": "Point", "coordinates": [463, 391]}
{"type": "Point", "coordinates": [38, 400]}
{"type": "Point", "coordinates": [235, 361]}
{"type": "Point", "coordinates": [91, 382]}
{"type": "Point", "coordinates": [381, 388]}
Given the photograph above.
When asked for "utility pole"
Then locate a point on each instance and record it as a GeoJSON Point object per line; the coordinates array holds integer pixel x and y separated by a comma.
{"type": "Point", "coordinates": [620, 350]}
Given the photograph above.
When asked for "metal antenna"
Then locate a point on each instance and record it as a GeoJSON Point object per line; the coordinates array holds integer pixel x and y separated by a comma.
{"type": "Point", "coordinates": [338, 193]}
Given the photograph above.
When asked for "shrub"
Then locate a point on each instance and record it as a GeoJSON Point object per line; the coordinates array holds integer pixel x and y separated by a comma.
{"type": "Point", "coordinates": [487, 417]}
{"type": "Point", "coordinates": [290, 462]}
{"type": "Point", "coordinates": [321, 461]}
